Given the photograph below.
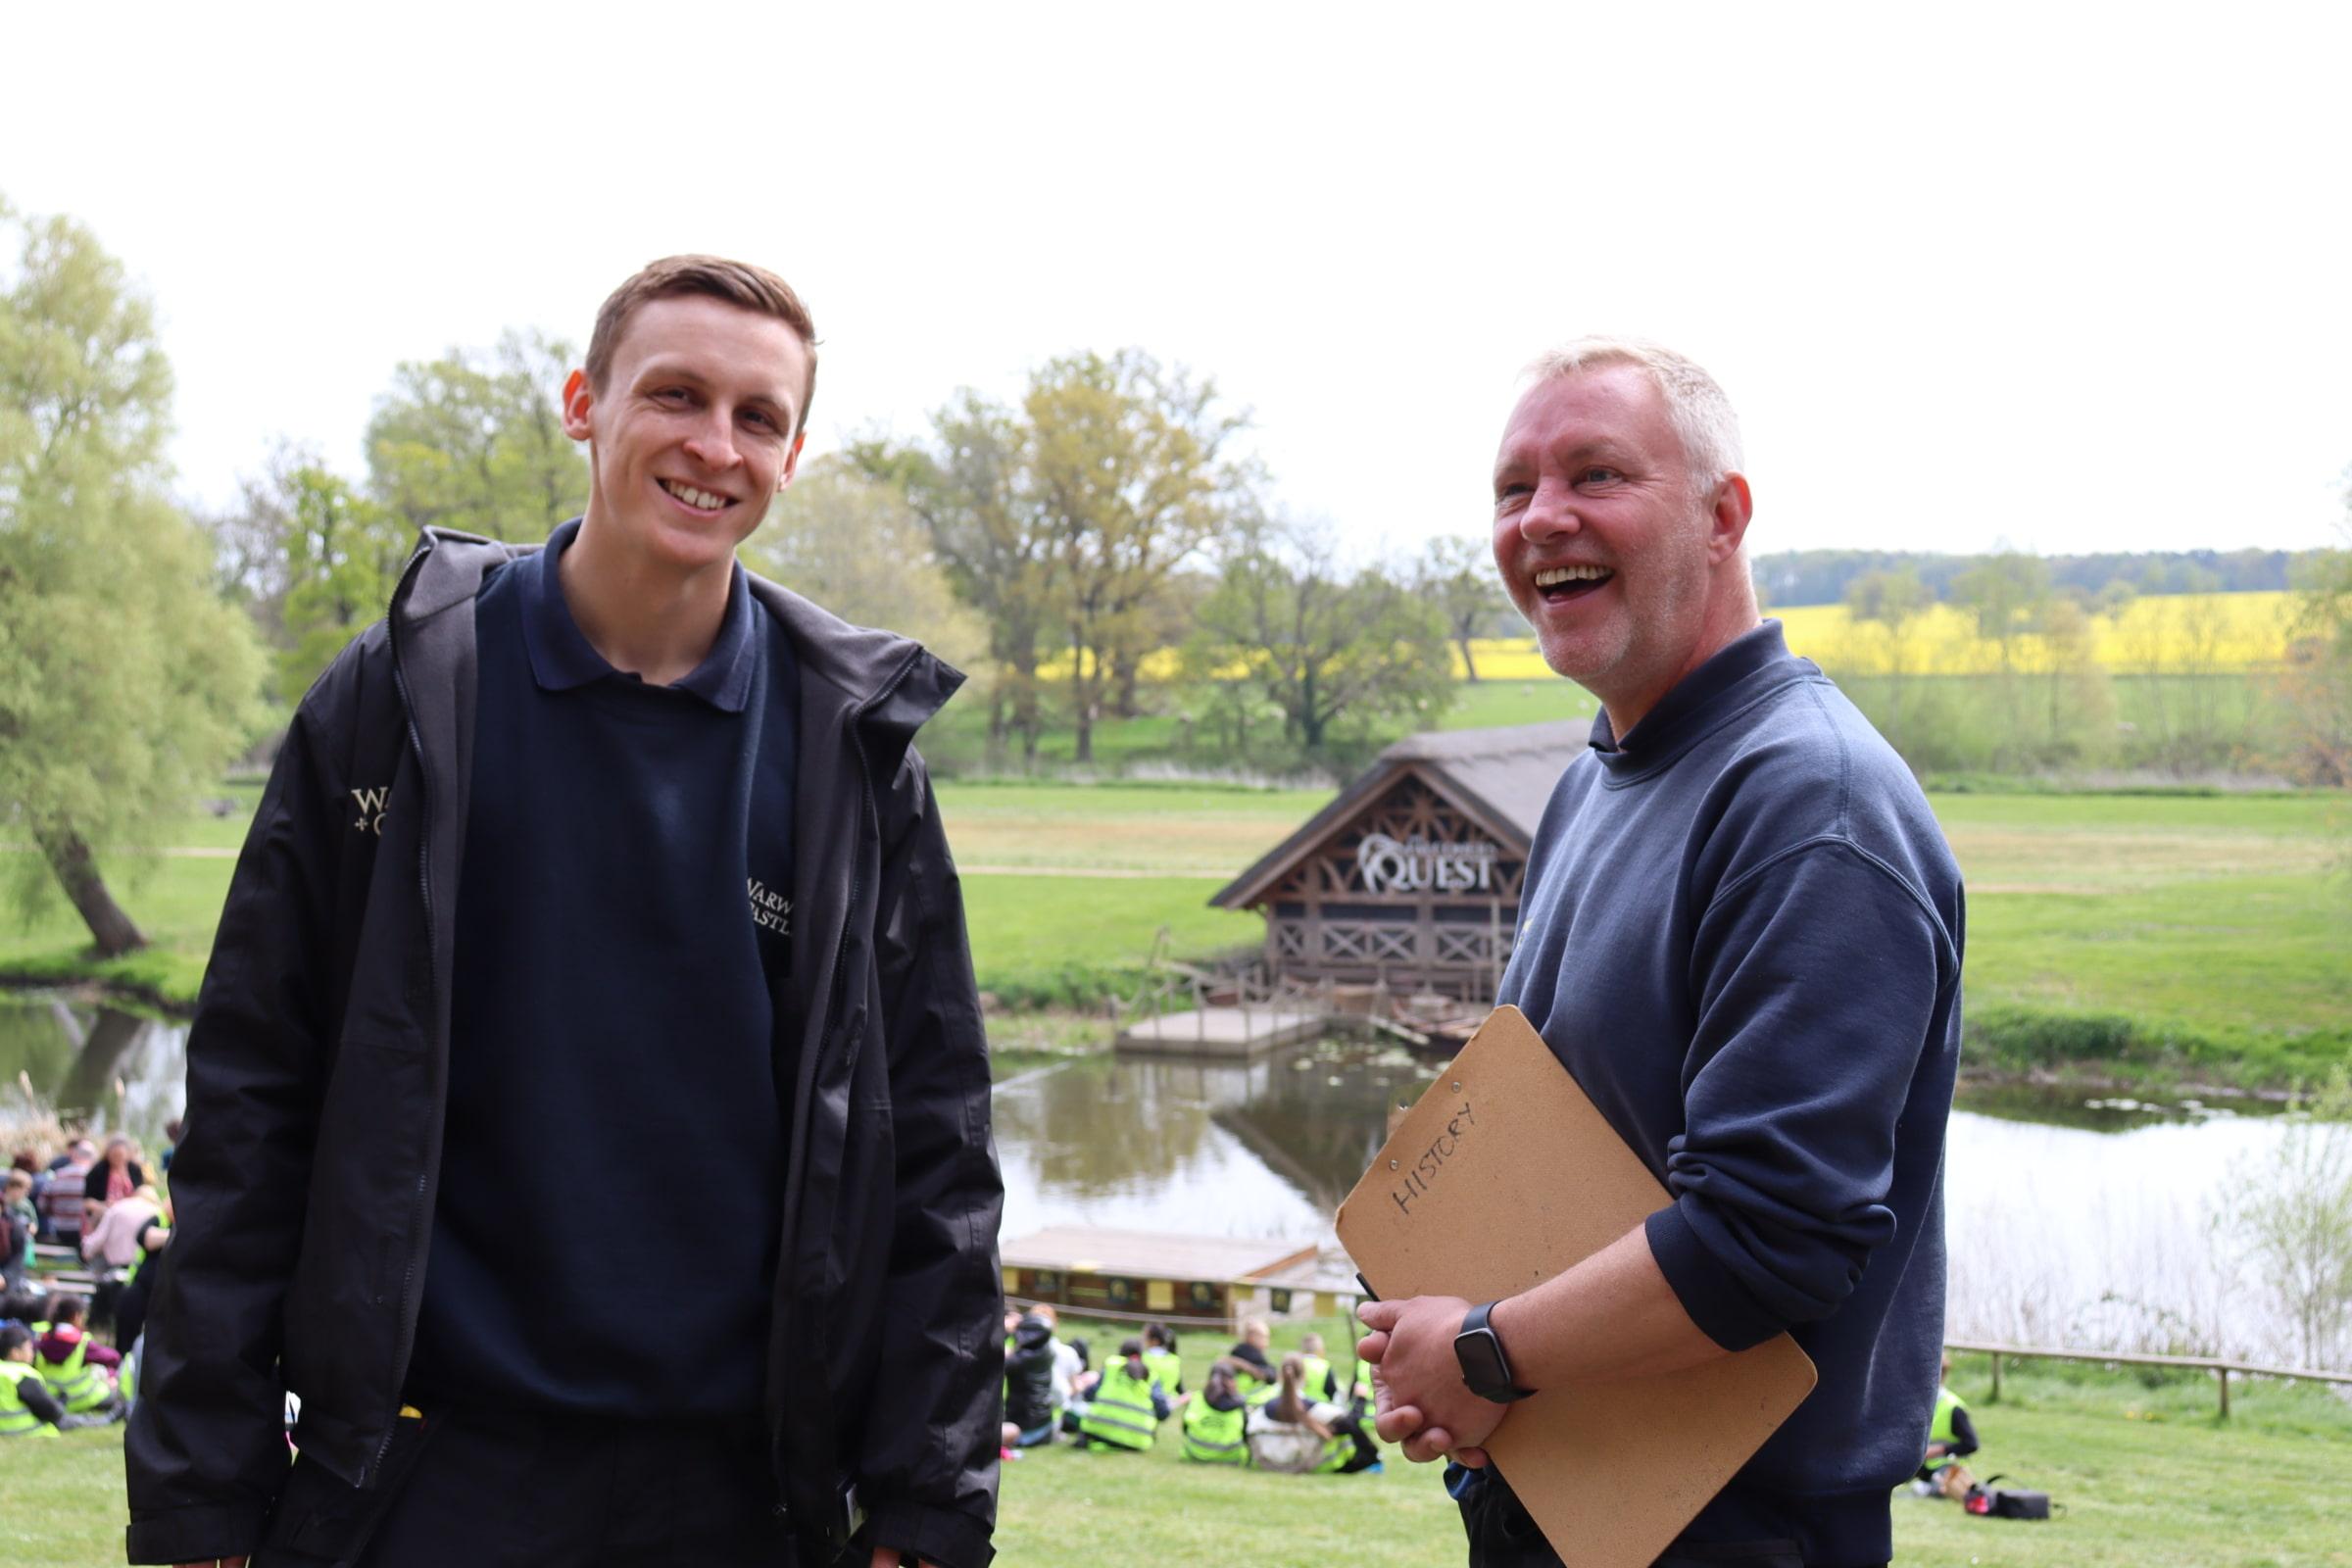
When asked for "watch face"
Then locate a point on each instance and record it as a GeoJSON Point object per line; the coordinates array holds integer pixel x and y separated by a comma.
{"type": "Point", "coordinates": [1482, 1363]}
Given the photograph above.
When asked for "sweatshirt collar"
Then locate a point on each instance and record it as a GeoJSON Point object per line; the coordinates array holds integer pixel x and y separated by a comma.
{"type": "Point", "coordinates": [1700, 699]}
{"type": "Point", "coordinates": [563, 658]}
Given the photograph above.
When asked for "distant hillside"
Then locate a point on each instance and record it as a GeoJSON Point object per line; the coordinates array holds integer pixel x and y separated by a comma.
{"type": "Point", "coordinates": [1819, 577]}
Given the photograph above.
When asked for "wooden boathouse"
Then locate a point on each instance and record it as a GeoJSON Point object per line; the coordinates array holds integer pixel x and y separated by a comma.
{"type": "Point", "coordinates": [1410, 877]}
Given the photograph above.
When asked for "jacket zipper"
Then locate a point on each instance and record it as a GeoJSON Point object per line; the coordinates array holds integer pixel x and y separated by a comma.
{"type": "Point", "coordinates": [424, 891]}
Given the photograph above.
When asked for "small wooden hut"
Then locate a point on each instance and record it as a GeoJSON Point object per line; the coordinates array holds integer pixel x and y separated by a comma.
{"type": "Point", "coordinates": [1410, 877]}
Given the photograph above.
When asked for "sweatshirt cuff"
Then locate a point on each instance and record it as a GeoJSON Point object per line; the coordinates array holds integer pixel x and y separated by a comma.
{"type": "Point", "coordinates": [1712, 1294]}
{"type": "Point", "coordinates": [919, 1532]}
{"type": "Point", "coordinates": [199, 1533]}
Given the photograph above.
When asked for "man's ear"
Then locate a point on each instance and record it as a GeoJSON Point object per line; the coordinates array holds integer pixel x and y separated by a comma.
{"type": "Point", "coordinates": [577, 399]}
{"type": "Point", "coordinates": [1727, 517]}
{"type": "Point", "coordinates": [792, 462]}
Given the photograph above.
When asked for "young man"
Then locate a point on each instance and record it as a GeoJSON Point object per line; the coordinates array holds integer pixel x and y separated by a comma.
{"type": "Point", "coordinates": [1741, 932]}
{"type": "Point", "coordinates": [587, 845]}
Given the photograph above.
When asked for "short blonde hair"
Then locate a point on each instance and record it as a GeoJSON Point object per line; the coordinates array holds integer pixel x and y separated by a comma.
{"type": "Point", "coordinates": [1695, 403]}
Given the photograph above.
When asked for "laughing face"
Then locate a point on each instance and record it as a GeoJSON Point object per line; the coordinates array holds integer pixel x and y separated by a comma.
{"type": "Point", "coordinates": [695, 431]}
{"type": "Point", "coordinates": [1618, 559]}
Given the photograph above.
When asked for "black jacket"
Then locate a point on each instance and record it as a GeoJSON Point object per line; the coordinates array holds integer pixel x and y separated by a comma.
{"type": "Point", "coordinates": [1029, 1375]}
{"type": "Point", "coordinates": [318, 1066]}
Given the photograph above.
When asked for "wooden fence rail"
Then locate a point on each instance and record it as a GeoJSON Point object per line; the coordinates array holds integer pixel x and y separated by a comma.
{"type": "Point", "coordinates": [2220, 1368]}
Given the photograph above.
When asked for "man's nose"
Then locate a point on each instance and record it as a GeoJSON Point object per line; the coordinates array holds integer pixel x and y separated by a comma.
{"type": "Point", "coordinates": [1549, 512]}
{"type": "Point", "coordinates": [713, 442]}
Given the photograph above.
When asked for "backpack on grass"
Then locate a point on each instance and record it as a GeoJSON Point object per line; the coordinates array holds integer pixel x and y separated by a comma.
{"type": "Point", "coordinates": [2006, 1503]}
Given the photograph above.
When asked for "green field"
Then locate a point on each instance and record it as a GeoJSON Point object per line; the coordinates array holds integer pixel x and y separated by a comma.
{"type": "Point", "coordinates": [2146, 1472]}
{"type": "Point", "coordinates": [2198, 936]}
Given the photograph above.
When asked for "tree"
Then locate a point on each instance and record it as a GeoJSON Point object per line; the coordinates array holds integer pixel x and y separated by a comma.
{"type": "Point", "coordinates": [1458, 576]}
{"type": "Point", "coordinates": [1132, 470]}
{"type": "Point", "coordinates": [2317, 683]}
{"type": "Point", "coordinates": [856, 546]}
{"type": "Point", "coordinates": [971, 488]}
{"type": "Point", "coordinates": [475, 442]}
{"type": "Point", "coordinates": [344, 556]}
{"type": "Point", "coordinates": [2291, 1215]}
{"type": "Point", "coordinates": [126, 682]}
{"type": "Point", "coordinates": [1889, 605]}
{"type": "Point", "coordinates": [1319, 643]}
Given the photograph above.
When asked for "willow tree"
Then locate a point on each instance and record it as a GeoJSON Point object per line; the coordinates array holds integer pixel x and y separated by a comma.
{"type": "Point", "coordinates": [126, 682]}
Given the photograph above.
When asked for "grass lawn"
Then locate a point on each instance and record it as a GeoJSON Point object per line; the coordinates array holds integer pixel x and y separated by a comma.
{"type": "Point", "coordinates": [2147, 1475]}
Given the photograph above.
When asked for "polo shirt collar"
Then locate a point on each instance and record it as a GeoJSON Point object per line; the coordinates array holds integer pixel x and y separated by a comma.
{"type": "Point", "coordinates": [563, 658]}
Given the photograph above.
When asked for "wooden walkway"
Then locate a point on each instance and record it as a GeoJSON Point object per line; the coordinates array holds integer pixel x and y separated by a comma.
{"type": "Point", "coordinates": [1237, 1031]}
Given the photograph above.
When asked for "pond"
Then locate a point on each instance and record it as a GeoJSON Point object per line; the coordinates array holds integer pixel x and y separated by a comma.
{"type": "Point", "coordinates": [2075, 1219]}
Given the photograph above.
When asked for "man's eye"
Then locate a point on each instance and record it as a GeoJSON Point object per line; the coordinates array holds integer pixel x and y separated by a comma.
{"type": "Point", "coordinates": [1599, 475]}
{"type": "Point", "coordinates": [759, 418]}
{"type": "Point", "coordinates": [1510, 496]}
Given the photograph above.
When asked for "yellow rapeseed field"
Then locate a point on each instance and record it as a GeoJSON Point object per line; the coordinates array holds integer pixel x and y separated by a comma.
{"type": "Point", "coordinates": [2171, 634]}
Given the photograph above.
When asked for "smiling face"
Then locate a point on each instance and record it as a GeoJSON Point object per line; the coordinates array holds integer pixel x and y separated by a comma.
{"type": "Point", "coordinates": [1621, 562]}
{"type": "Point", "coordinates": [694, 431]}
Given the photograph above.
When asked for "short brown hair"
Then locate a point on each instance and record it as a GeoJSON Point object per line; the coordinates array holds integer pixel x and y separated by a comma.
{"type": "Point", "coordinates": [754, 289]}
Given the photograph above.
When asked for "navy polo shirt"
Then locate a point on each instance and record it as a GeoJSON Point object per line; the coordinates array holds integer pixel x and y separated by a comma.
{"type": "Point", "coordinates": [612, 1171]}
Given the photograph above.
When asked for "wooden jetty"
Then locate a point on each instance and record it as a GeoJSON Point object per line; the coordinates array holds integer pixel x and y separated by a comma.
{"type": "Point", "coordinates": [1239, 1030]}
{"type": "Point", "coordinates": [1146, 1275]}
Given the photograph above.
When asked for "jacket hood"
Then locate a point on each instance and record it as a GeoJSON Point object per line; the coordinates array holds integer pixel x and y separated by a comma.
{"type": "Point", "coordinates": [1032, 1333]}
{"type": "Point", "coordinates": [894, 681]}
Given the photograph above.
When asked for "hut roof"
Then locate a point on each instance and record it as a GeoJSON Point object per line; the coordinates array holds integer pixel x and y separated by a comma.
{"type": "Point", "coordinates": [1502, 776]}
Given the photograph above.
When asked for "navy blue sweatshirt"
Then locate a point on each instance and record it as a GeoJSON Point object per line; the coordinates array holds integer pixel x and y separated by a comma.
{"type": "Point", "coordinates": [1741, 932]}
{"type": "Point", "coordinates": [615, 1129]}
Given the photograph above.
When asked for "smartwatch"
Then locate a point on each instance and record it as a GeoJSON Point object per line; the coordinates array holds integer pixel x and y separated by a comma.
{"type": "Point", "coordinates": [1485, 1368]}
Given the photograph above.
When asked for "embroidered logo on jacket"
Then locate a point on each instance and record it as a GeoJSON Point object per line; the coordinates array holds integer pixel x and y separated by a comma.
{"type": "Point", "coordinates": [371, 806]}
{"type": "Point", "coordinates": [770, 911]}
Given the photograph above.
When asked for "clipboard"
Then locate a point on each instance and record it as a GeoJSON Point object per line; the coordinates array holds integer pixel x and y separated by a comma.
{"type": "Point", "coordinates": [1502, 1175]}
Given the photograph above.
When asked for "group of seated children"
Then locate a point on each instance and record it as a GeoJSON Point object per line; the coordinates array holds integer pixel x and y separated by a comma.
{"type": "Point", "coordinates": [53, 1376]}
{"type": "Point", "coordinates": [1291, 1417]}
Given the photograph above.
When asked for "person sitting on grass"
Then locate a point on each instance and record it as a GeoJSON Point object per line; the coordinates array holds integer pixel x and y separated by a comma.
{"type": "Point", "coordinates": [1951, 1439]}
{"type": "Point", "coordinates": [1127, 1405]}
{"type": "Point", "coordinates": [1216, 1418]}
{"type": "Point", "coordinates": [1029, 1384]}
{"type": "Point", "coordinates": [1256, 1366]}
{"type": "Point", "coordinates": [1295, 1435]}
{"type": "Point", "coordinates": [80, 1371]}
{"type": "Point", "coordinates": [26, 1406]}
{"type": "Point", "coordinates": [1159, 1355]}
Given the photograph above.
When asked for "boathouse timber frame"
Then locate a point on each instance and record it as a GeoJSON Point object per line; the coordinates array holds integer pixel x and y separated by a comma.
{"type": "Point", "coordinates": [1412, 876]}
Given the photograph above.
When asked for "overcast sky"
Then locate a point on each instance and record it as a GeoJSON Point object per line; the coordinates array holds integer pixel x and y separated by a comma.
{"type": "Point", "coordinates": [2069, 277]}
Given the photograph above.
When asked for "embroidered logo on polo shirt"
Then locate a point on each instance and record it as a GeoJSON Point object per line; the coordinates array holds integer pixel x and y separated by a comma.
{"type": "Point", "coordinates": [371, 806]}
{"type": "Point", "coordinates": [770, 911]}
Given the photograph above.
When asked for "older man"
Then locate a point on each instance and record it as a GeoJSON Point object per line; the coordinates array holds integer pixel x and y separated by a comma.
{"type": "Point", "coordinates": [1742, 935]}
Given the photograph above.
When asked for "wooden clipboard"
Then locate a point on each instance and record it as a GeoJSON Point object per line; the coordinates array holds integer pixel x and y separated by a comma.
{"type": "Point", "coordinates": [1500, 1177]}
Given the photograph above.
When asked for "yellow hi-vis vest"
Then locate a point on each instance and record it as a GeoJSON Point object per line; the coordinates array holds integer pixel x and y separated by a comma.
{"type": "Point", "coordinates": [17, 1420]}
{"type": "Point", "coordinates": [1317, 1384]}
{"type": "Point", "coordinates": [1215, 1437]}
{"type": "Point", "coordinates": [79, 1385]}
{"type": "Point", "coordinates": [1168, 1369]}
{"type": "Point", "coordinates": [1946, 1402]}
{"type": "Point", "coordinates": [1120, 1412]}
{"type": "Point", "coordinates": [139, 1262]}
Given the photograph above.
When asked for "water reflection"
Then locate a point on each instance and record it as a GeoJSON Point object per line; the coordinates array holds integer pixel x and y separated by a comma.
{"type": "Point", "coordinates": [105, 1069]}
{"type": "Point", "coordinates": [2073, 1219]}
{"type": "Point", "coordinates": [1266, 1148]}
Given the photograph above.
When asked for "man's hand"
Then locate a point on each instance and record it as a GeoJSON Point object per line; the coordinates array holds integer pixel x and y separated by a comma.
{"type": "Point", "coordinates": [1421, 1398]}
{"type": "Point", "coordinates": [889, 1557]}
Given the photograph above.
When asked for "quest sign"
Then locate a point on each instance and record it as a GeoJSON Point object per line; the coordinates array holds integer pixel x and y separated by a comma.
{"type": "Point", "coordinates": [1420, 866]}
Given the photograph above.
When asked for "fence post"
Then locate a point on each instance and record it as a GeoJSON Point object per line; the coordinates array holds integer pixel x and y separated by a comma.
{"type": "Point", "coordinates": [1996, 1379]}
{"type": "Point", "coordinates": [2223, 1373]}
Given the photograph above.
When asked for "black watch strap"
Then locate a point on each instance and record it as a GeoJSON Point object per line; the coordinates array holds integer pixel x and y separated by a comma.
{"type": "Point", "coordinates": [1485, 1370]}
